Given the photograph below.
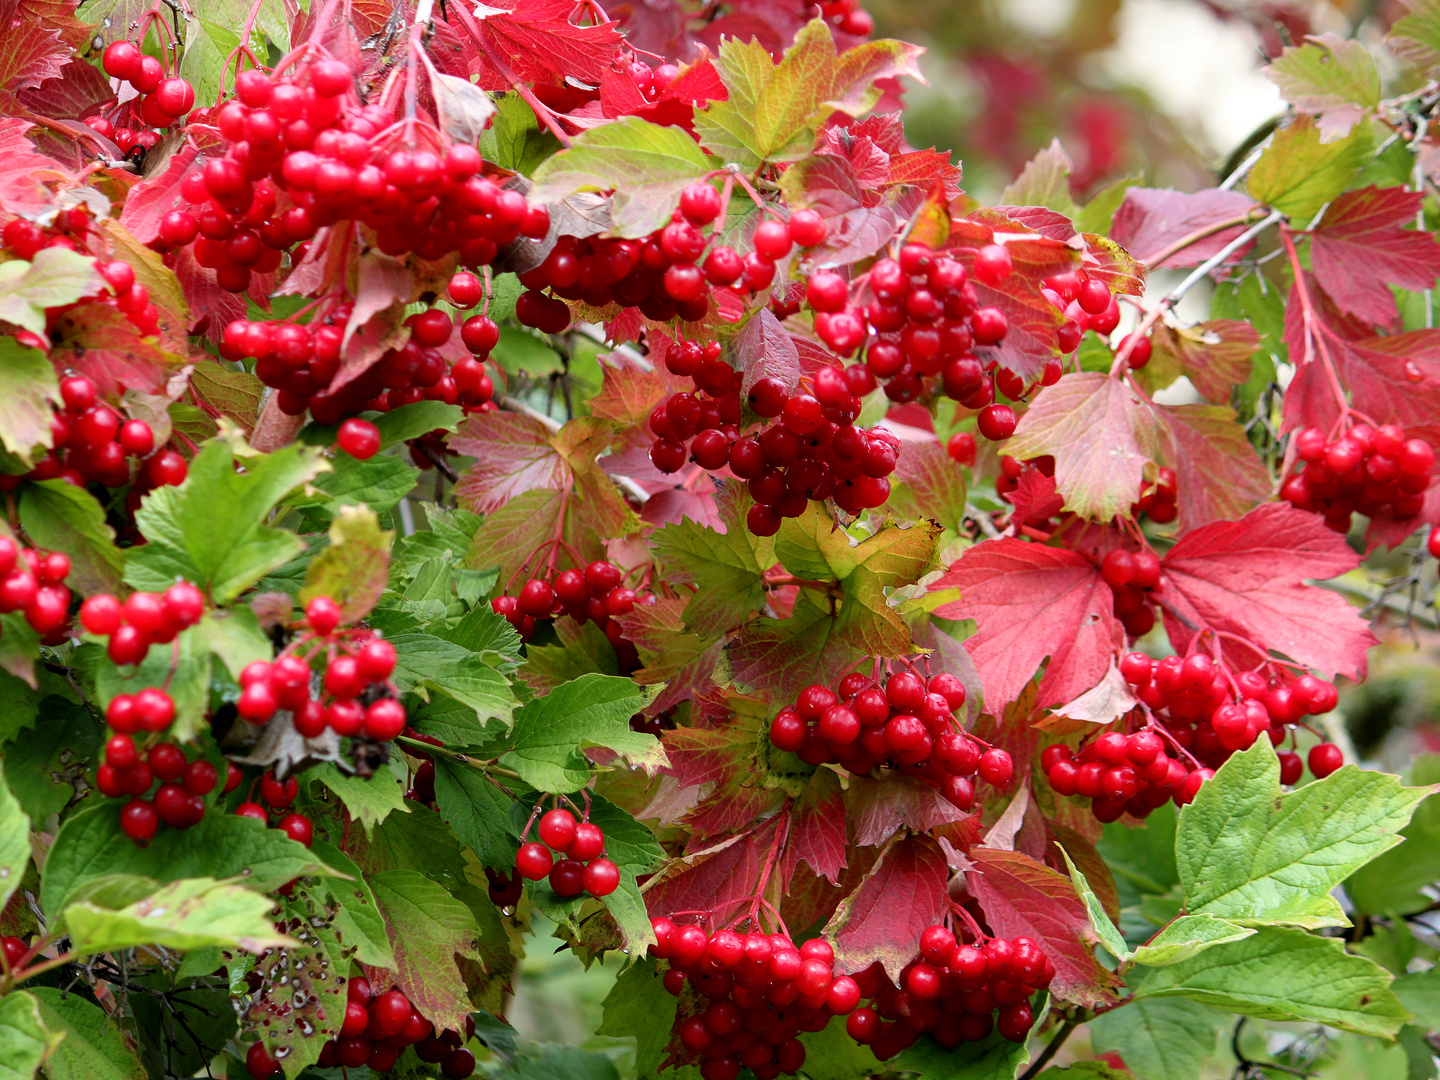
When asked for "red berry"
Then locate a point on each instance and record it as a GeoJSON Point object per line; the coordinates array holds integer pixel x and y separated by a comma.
{"type": "Point", "coordinates": [557, 828]}
{"type": "Point", "coordinates": [1324, 759]}
{"type": "Point", "coordinates": [260, 1064]}
{"type": "Point", "coordinates": [100, 614]}
{"type": "Point", "coordinates": [808, 228]}
{"type": "Point", "coordinates": [588, 844]}
{"type": "Point", "coordinates": [323, 615]}
{"type": "Point", "coordinates": [601, 877]}
{"type": "Point", "coordinates": [996, 422]}
{"type": "Point", "coordinates": [700, 203]}
{"type": "Point", "coordinates": [298, 828]}
{"type": "Point", "coordinates": [384, 720]}
{"type": "Point", "coordinates": [534, 861]}
{"type": "Point", "coordinates": [139, 820]}
{"type": "Point", "coordinates": [567, 878]}
{"type": "Point", "coordinates": [773, 240]}
{"type": "Point", "coordinates": [359, 438]}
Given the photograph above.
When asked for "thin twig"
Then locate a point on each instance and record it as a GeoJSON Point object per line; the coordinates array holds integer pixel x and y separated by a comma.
{"type": "Point", "coordinates": [1051, 1049]}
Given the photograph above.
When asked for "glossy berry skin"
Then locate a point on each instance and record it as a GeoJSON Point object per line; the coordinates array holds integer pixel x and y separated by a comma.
{"type": "Point", "coordinates": [1324, 759]}
{"type": "Point", "coordinates": [139, 821]}
{"type": "Point", "coordinates": [359, 438]}
{"type": "Point", "coordinates": [588, 844]}
{"type": "Point", "coordinates": [601, 877]}
{"type": "Point", "coordinates": [534, 861]}
{"type": "Point", "coordinates": [557, 828]}
{"type": "Point", "coordinates": [298, 828]}
{"type": "Point", "coordinates": [259, 1063]}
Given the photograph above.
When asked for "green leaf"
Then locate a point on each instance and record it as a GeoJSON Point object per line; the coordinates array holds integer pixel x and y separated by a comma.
{"type": "Point", "coordinates": [20, 703]}
{"type": "Point", "coordinates": [425, 663]}
{"type": "Point", "coordinates": [56, 277]}
{"type": "Point", "coordinates": [93, 1047]}
{"type": "Point", "coordinates": [1420, 993]}
{"type": "Point", "coordinates": [1416, 37]}
{"type": "Point", "coordinates": [212, 33]}
{"type": "Point", "coordinates": [25, 1043]}
{"type": "Point", "coordinates": [1247, 852]}
{"type": "Point", "coordinates": [41, 766]}
{"type": "Point", "coordinates": [1329, 75]}
{"type": "Point", "coordinates": [1159, 1039]}
{"type": "Point", "coordinates": [368, 801]}
{"type": "Point", "coordinates": [183, 670]}
{"type": "Point", "coordinates": [358, 921]}
{"type": "Point", "coordinates": [1105, 929]}
{"type": "Point", "coordinates": [1099, 213]}
{"type": "Point", "coordinates": [427, 927]}
{"type": "Point", "coordinates": [379, 483]}
{"type": "Point", "coordinates": [1045, 181]}
{"type": "Point", "coordinates": [727, 569]}
{"type": "Point", "coordinates": [638, 1005]}
{"type": "Point", "coordinates": [646, 165]}
{"type": "Point", "coordinates": [1186, 936]}
{"type": "Point", "coordinates": [91, 845]}
{"type": "Point", "coordinates": [28, 387]}
{"type": "Point", "coordinates": [478, 811]}
{"type": "Point", "coordinates": [515, 140]}
{"type": "Point", "coordinates": [187, 914]}
{"type": "Point", "coordinates": [1298, 174]}
{"type": "Point", "coordinates": [992, 1058]}
{"type": "Point", "coordinates": [1281, 973]}
{"type": "Point", "coordinates": [234, 636]}
{"type": "Point", "coordinates": [551, 732]}
{"type": "Point", "coordinates": [211, 529]}
{"type": "Point", "coordinates": [14, 840]}
{"type": "Point", "coordinates": [1392, 882]}
{"type": "Point", "coordinates": [355, 566]}
{"type": "Point", "coordinates": [59, 516]}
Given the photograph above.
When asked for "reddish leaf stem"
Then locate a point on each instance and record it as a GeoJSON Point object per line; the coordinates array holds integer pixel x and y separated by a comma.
{"type": "Point", "coordinates": [542, 112]}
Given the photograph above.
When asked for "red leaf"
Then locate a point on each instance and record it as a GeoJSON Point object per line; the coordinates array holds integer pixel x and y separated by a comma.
{"type": "Point", "coordinates": [97, 340]}
{"type": "Point", "coordinates": [858, 224]}
{"type": "Point", "coordinates": [1025, 898]}
{"type": "Point", "coordinates": [1215, 355]}
{"type": "Point", "coordinates": [158, 194]}
{"type": "Point", "coordinates": [934, 483]}
{"type": "Point", "coordinates": [883, 917]}
{"type": "Point", "coordinates": [1030, 602]}
{"type": "Point", "coordinates": [1220, 477]}
{"type": "Point", "coordinates": [764, 349]}
{"type": "Point", "coordinates": [879, 806]}
{"type": "Point", "coordinates": [1361, 248]}
{"type": "Point", "coordinates": [79, 88]}
{"type": "Point", "coordinates": [536, 40]}
{"type": "Point", "coordinates": [922, 167]}
{"type": "Point", "coordinates": [817, 827]}
{"type": "Point", "coordinates": [1034, 498]}
{"type": "Point", "coordinates": [715, 879]}
{"type": "Point", "coordinates": [22, 170]}
{"type": "Point", "coordinates": [1151, 220]}
{"type": "Point", "coordinates": [1247, 578]}
{"type": "Point", "coordinates": [628, 393]}
{"type": "Point", "coordinates": [1101, 434]}
{"type": "Point", "coordinates": [513, 454]}
{"type": "Point", "coordinates": [1395, 379]}
{"type": "Point", "coordinates": [30, 51]}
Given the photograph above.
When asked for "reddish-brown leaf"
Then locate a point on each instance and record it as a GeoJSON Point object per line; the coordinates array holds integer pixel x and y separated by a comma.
{"type": "Point", "coordinates": [1247, 578]}
{"type": "Point", "coordinates": [31, 51]}
{"type": "Point", "coordinates": [23, 171]}
{"type": "Point", "coordinates": [1152, 220]}
{"type": "Point", "coordinates": [1025, 898]}
{"type": "Point", "coordinates": [817, 826]}
{"type": "Point", "coordinates": [1362, 248]}
{"type": "Point", "coordinates": [99, 341]}
{"type": "Point", "coordinates": [1395, 379]}
{"type": "Point", "coordinates": [79, 88]}
{"type": "Point", "coordinates": [882, 918]}
{"type": "Point", "coordinates": [764, 349]}
{"type": "Point", "coordinates": [1215, 355]}
{"type": "Point", "coordinates": [1034, 498]}
{"type": "Point", "coordinates": [536, 40]}
{"type": "Point", "coordinates": [1219, 475]}
{"type": "Point", "coordinates": [859, 224]}
{"type": "Point", "coordinates": [879, 806]}
{"type": "Point", "coordinates": [717, 878]}
{"type": "Point", "coordinates": [1030, 602]}
{"type": "Point", "coordinates": [1101, 434]}
{"type": "Point", "coordinates": [513, 454]}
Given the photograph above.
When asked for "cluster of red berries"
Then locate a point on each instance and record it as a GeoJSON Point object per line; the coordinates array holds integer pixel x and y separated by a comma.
{"type": "Point", "coordinates": [596, 592]}
{"type": "Point", "coordinates": [663, 274]}
{"type": "Point", "coordinates": [900, 721]}
{"type": "Point", "coordinates": [922, 319]}
{"type": "Point", "coordinates": [357, 664]}
{"type": "Point", "coordinates": [1157, 498]}
{"type": "Point", "coordinates": [141, 620]}
{"type": "Point", "coordinates": [848, 17]}
{"type": "Point", "coordinates": [163, 100]}
{"type": "Point", "coordinates": [584, 867]}
{"type": "Point", "coordinates": [376, 1030]}
{"type": "Point", "coordinates": [1088, 304]}
{"type": "Point", "coordinates": [753, 993]}
{"type": "Point", "coordinates": [179, 801]}
{"type": "Point", "coordinates": [32, 583]}
{"type": "Point", "coordinates": [1133, 577]}
{"type": "Point", "coordinates": [807, 446]}
{"type": "Point", "coordinates": [1373, 470]}
{"type": "Point", "coordinates": [92, 443]}
{"type": "Point", "coordinates": [953, 991]}
{"type": "Point", "coordinates": [277, 795]}
{"type": "Point", "coordinates": [301, 360]}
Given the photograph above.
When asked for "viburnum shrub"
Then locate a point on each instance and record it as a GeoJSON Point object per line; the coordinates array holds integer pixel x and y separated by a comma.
{"type": "Point", "coordinates": [476, 471]}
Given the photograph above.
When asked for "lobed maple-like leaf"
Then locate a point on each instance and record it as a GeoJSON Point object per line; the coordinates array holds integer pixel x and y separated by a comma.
{"type": "Point", "coordinates": [878, 807]}
{"type": "Point", "coordinates": [716, 768]}
{"type": "Point", "coordinates": [1361, 248]}
{"type": "Point", "coordinates": [1415, 37]}
{"type": "Point", "coordinates": [881, 919]}
{"type": "Point", "coordinates": [1030, 602]}
{"type": "Point", "coordinates": [1331, 76]}
{"type": "Point", "coordinates": [1219, 475]}
{"type": "Point", "coordinates": [1247, 578]}
{"type": "Point", "coordinates": [1151, 222]}
{"type": "Point", "coordinates": [859, 223]}
{"type": "Point", "coordinates": [765, 349]}
{"type": "Point", "coordinates": [31, 51]}
{"type": "Point", "coordinates": [683, 661]}
{"type": "Point", "coordinates": [724, 564]}
{"type": "Point", "coordinates": [537, 42]}
{"type": "Point", "coordinates": [1101, 434]}
{"type": "Point", "coordinates": [1022, 897]}
{"type": "Point", "coordinates": [817, 826]}
{"type": "Point", "coordinates": [1299, 172]}
{"type": "Point", "coordinates": [97, 340]}
{"type": "Point", "coordinates": [1045, 181]}
{"type": "Point", "coordinates": [1395, 379]}
{"type": "Point", "coordinates": [513, 454]}
{"type": "Point", "coordinates": [933, 484]}
{"type": "Point", "coordinates": [1214, 355]}
{"type": "Point", "coordinates": [77, 90]}
{"type": "Point", "coordinates": [715, 878]}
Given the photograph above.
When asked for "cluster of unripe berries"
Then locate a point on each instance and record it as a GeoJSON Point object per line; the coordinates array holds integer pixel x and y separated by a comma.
{"type": "Point", "coordinates": [277, 795]}
{"type": "Point", "coordinates": [356, 664]}
{"type": "Point", "coordinates": [376, 1030]}
{"type": "Point", "coordinates": [904, 722]}
{"type": "Point", "coordinates": [301, 360]}
{"type": "Point", "coordinates": [953, 991]}
{"type": "Point", "coordinates": [583, 868]}
{"type": "Point", "coordinates": [753, 993]}
{"type": "Point", "coordinates": [666, 275]}
{"type": "Point", "coordinates": [922, 319]}
{"type": "Point", "coordinates": [1202, 713]}
{"type": "Point", "coordinates": [92, 443]}
{"type": "Point", "coordinates": [806, 447]}
{"type": "Point", "coordinates": [178, 802]}
{"type": "Point", "coordinates": [1372, 470]}
{"type": "Point", "coordinates": [163, 100]}
{"type": "Point", "coordinates": [596, 592]}
{"type": "Point", "coordinates": [32, 583]}
{"type": "Point", "coordinates": [142, 619]}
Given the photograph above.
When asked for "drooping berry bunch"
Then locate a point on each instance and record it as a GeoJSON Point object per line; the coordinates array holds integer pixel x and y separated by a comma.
{"type": "Point", "coordinates": [163, 99]}
{"type": "Point", "coordinates": [32, 582]}
{"type": "Point", "coordinates": [141, 620]}
{"type": "Point", "coordinates": [1088, 304]}
{"type": "Point", "coordinates": [354, 697]}
{"type": "Point", "coordinates": [277, 795]}
{"type": "Point", "coordinates": [953, 991]}
{"type": "Point", "coordinates": [584, 867]}
{"type": "Point", "coordinates": [1372, 470]}
{"type": "Point", "coordinates": [805, 447]}
{"type": "Point", "coordinates": [898, 720]}
{"type": "Point", "coordinates": [1134, 580]}
{"type": "Point", "coordinates": [1200, 712]}
{"type": "Point", "coordinates": [178, 802]}
{"type": "Point", "coordinates": [376, 1030]}
{"type": "Point", "coordinates": [666, 275]}
{"type": "Point", "coordinates": [92, 443]}
{"type": "Point", "coordinates": [596, 592]}
{"type": "Point", "coordinates": [745, 997]}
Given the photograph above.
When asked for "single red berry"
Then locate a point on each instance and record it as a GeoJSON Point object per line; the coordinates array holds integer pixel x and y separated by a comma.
{"type": "Point", "coordinates": [359, 438]}
{"type": "Point", "coordinates": [139, 820]}
{"type": "Point", "coordinates": [589, 842]}
{"type": "Point", "coordinates": [323, 615]}
{"type": "Point", "coordinates": [1324, 759]}
{"type": "Point", "coordinates": [384, 720]}
{"type": "Point", "coordinates": [601, 877]}
{"type": "Point", "coordinates": [298, 828]}
{"type": "Point", "coordinates": [260, 1064]}
{"type": "Point", "coordinates": [557, 828]}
